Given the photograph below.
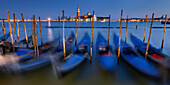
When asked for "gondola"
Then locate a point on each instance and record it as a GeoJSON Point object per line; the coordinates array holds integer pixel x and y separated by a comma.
{"type": "Point", "coordinates": [7, 46]}
{"type": "Point", "coordinates": [30, 62]}
{"type": "Point", "coordinates": [154, 54]}
{"type": "Point", "coordinates": [131, 57]}
{"type": "Point", "coordinates": [106, 60]}
{"type": "Point", "coordinates": [80, 52]}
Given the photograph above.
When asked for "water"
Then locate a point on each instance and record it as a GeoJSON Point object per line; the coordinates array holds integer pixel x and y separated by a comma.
{"type": "Point", "coordinates": [88, 73]}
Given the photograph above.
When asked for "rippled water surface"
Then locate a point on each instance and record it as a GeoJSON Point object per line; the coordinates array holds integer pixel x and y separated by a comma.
{"type": "Point", "coordinates": [90, 73]}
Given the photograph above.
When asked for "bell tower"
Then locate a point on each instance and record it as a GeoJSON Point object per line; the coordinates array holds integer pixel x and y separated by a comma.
{"type": "Point", "coordinates": [78, 11]}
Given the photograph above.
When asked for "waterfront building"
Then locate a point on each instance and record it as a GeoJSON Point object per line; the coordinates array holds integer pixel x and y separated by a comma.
{"type": "Point", "coordinates": [103, 19]}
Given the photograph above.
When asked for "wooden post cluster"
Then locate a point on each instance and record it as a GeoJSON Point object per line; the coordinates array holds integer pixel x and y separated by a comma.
{"type": "Point", "coordinates": [10, 31]}
{"type": "Point", "coordinates": [109, 28]}
{"type": "Point", "coordinates": [149, 37]}
{"type": "Point", "coordinates": [145, 28]}
{"type": "Point", "coordinates": [164, 32]}
{"type": "Point", "coordinates": [126, 28]}
{"type": "Point", "coordinates": [120, 35]}
{"type": "Point", "coordinates": [91, 52]}
{"type": "Point", "coordinates": [36, 50]}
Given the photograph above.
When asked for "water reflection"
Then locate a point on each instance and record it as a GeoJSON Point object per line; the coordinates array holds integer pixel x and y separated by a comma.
{"type": "Point", "coordinates": [49, 23]}
{"type": "Point", "coordinates": [50, 34]}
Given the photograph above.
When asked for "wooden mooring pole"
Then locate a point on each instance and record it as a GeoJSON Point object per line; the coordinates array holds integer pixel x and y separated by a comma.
{"type": "Point", "coordinates": [3, 27]}
{"type": "Point", "coordinates": [59, 28]}
{"type": "Point", "coordinates": [120, 35]}
{"type": "Point", "coordinates": [13, 49]}
{"type": "Point", "coordinates": [32, 26]}
{"type": "Point", "coordinates": [15, 37]}
{"type": "Point", "coordinates": [126, 29]}
{"type": "Point", "coordinates": [149, 37]}
{"type": "Point", "coordinates": [40, 31]}
{"type": "Point", "coordinates": [91, 47]}
{"type": "Point", "coordinates": [109, 28]}
{"type": "Point", "coordinates": [145, 28]}
{"type": "Point", "coordinates": [17, 28]}
{"type": "Point", "coordinates": [35, 36]}
{"type": "Point", "coordinates": [76, 31]}
{"type": "Point", "coordinates": [64, 50]}
{"type": "Point", "coordinates": [164, 32]}
{"type": "Point", "coordinates": [25, 31]}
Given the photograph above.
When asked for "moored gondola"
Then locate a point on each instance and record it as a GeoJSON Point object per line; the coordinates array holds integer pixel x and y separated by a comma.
{"type": "Point", "coordinates": [106, 60]}
{"type": "Point", "coordinates": [80, 52]}
{"type": "Point", "coordinates": [154, 54]}
{"type": "Point", "coordinates": [31, 62]}
{"type": "Point", "coordinates": [7, 46]}
{"type": "Point", "coordinates": [130, 55]}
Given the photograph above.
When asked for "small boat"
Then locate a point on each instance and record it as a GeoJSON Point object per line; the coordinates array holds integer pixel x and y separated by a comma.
{"type": "Point", "coordinates": [80, 52]}
{"type": "Point", "coordinates": [22, 51]}
{"type": "Point", "coordinates": [107, 61]}
{"type": "Point", "coordinates": [30, 62]}
{"type": "Point", "coordinates": [130, 55]}
{"type": "Point", "coordinates": [7, 46]}
{"type": "Point", "coordinates": [154, 54]}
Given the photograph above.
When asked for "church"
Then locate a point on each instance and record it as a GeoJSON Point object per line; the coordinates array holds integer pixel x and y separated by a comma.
{"type": "Point", "coordinates": [88, 17]}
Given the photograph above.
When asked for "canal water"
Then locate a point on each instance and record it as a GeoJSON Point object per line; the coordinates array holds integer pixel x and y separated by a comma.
{"type": "Point", "coordinates": [90, 73]}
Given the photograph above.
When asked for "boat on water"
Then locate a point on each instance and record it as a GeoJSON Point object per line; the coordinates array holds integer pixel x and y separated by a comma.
{"type": "Point", "coordinates": [31, 62]}
{"type": "Point", "coordinates": [131, 57]}
{"type": "Point", "coordinates": [25, 52]}
{"type": "Point", "coordinates": [81, 51]}
{"type": "Point", "coordinates": [154, 54]}
{"type": "Point", "coordinates": [7, 46]}
{"type": "Point", "coordinates": [106, 59]}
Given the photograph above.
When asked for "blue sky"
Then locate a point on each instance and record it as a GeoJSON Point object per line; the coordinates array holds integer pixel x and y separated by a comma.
{"type": "Point", "coordinates": [53, 8]}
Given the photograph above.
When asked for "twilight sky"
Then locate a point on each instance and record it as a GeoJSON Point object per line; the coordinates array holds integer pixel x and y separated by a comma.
{"type": "Point", "coordinates": [53, 8]}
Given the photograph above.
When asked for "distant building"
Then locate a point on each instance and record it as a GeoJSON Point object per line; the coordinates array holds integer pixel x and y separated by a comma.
{"type": "Point", "coordinates": [87, 18]}
{"type": "Point", "coordinates": [88, 13]}
{"type": "Point", "coordinates": [143, 19]}
{"type": "Point", "coordinates": [103, 19]}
